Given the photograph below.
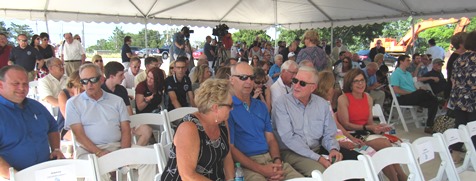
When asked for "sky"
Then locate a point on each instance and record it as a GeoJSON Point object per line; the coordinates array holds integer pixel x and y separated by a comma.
{"type": "Point", "coordinates": [95, 31]}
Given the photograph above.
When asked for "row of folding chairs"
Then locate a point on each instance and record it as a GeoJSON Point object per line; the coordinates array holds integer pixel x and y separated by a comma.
{"type": "Point", "coordinates": [413, 155]}
{"type": "Point", "coordinates": [92, 168]}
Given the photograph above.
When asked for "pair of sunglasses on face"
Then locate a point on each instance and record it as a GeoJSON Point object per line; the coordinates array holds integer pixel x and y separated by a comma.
{"type": "Point", "coordinates": [92, 80]}
{"type": "Point", "coordinates": [301, 83]}
{"type": "Point", "coordinates": [245, 77]}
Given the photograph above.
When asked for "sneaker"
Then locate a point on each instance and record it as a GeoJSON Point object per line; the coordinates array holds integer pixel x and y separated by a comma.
{"type": "Point", "coordinates": [429, 130]}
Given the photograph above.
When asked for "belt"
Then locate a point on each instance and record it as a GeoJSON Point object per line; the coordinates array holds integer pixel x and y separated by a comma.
{"type": "Point", "coordinates": [72, 61]}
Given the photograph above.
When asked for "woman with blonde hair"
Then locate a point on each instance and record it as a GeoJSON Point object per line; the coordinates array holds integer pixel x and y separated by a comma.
{"type": "Point", "coordinates": [201, 149]}
{"type": "Point", "coordinates": [312, 52]}
{"type": "Point", "coordinates": [201, 74]}
{"type": "Point", "coordinates": [73, 88]}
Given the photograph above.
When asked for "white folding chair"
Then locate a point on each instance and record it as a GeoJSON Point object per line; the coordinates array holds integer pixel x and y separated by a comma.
{"type": "Point", "coordinates": [395, 155]}
{"type": "Point", "coordinates": [174, 115]}
{"type": "Point", "coordinates": [128, 156]}
{"type": "Point", "coordinates": [152, 119]}
{"type": "Point", "coordinates": [447, 169]}
{"type": "Point", "coordinates": [316, 176]}
{"type": "Point", "coordinates": [377, 112]}
{"type": "Point", "coordinates": [452, 136]}
{"type": "Point", "coordinates": [466, 133]}
{"type": "Point", "coordinates": [398, 107]}
{"type": "Point", "coordinates": [33, 90]}
{"type": "Point", "coordinates": [131, 92]}
{"type": "Point", "coordinates": [349, 169]}
{"type": "Point", "coordinates": [82, 169]}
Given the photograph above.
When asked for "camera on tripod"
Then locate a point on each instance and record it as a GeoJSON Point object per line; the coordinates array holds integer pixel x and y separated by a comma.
{"type": "Point", "coordinates": [186, 32]}
{"type": "Point", "coordinates": [220, 30]}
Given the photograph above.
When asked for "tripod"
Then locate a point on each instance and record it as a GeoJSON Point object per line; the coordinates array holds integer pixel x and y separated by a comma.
{"type": "Point", "coordinates": [221, 56]}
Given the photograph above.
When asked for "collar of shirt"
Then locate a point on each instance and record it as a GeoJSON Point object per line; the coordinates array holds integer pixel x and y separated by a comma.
{"type": "Point", "coordinates": [85, 96]}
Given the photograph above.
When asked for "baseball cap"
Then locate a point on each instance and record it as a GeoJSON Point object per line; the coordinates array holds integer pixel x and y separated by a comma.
{"type": "Point", "coordinates": [291, 54]}
{"type": "Point", "coordinates": [438, 60]}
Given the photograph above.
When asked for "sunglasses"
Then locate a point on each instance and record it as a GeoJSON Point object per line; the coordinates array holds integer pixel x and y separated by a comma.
{"type": "Point", "coordinates": [301, 83]}
{"type": "Point", "coordinates": [98, 61]}
{"type": "Point", "coordinates": [23, 40]}
{"type": "Point", "coordinates": [227, 105]}
{"type": "Point", "coordinates": [92, 80]}
{"type": "Point", "coordinates": [245, 77]}
{"type": "Point", "coordinates": [259, 82]}
{"type": "Point", "coordinates": [46, 39]}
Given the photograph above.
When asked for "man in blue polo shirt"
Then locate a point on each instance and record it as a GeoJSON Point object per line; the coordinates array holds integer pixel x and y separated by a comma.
{"type": "Point", "coordinates": [26, 56]}
{"type": "Point", "coordinates": [252, 141]}
{"type": "Point", "coordinates": [28, 133]}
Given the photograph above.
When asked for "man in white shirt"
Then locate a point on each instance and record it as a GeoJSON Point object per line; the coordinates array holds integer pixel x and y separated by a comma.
{"type": "Point", "coordinates": [51, 85]}
{"type": "Point", "coordinates": [72, 53]}
{"type": "Point", "coordinates": [234, 50]}
{"type": "Point", "coordinates": [435, 51]}
{"type": "Point", "coordinates": [283, 86]}
{"type": "Point", "coordinates": [132, 72]}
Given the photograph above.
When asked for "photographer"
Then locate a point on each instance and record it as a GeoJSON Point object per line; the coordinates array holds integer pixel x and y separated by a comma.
{"type": "Point", "coordinates": [179, 42]}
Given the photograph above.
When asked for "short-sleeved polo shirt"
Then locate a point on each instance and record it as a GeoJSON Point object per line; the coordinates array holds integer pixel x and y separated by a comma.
{"type": "Point", "coordinates": [180, 89]}
{"type": "Point", "coordinates": [402, 79]}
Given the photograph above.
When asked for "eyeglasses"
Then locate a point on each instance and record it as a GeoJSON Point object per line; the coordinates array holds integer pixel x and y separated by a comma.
{"type": "Point", "coordinates": [59, 65]}
{"type": "Point", "coordinates": [245, 77]}
{"type": "Point", "coordinates": [99, 60]}
{"type": "Point", "coordinates": [227, 105]}
{"type": "Point", "coordinates": [291, 72]}
{"type": "Point", "coordinates": [346, 62]}
{"type": "Point", "coordinates": [22, 40]}
{"type": "Point", "coordinates": [260, 82]}
{"type": "Point", "coordinates": [301, 83]}
{"type": "Point", "coordinates": [92, 80]}
{"type": "Point", "coordinates": [359, 81]}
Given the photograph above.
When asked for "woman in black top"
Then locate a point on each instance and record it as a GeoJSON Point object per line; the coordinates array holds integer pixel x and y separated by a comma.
{"type": "Point", "coordinates": [149, 92]}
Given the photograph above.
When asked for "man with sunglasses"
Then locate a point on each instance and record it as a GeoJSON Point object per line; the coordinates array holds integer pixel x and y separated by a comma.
{"type": "Point", "coordinates": [283, 84]}
{"type": "Point", "coordinates": [72, 53]}
{"type": "Point", "coordinates": [28, 133]}
{"type": "Point", "coordinates": [99, 120]}
{"type": "Point", "coordinates": [26, 56]}
{"type": "Point", "coordinates": [5, 50]}
{"type": "Point", "coordinates": [376, 50]}
{"type": "Point", "coordinates": [179, 87]}
{"type": "Point", "coordinates": [252, 141]}
{"type": "Point", "coordinates": [305, 127]}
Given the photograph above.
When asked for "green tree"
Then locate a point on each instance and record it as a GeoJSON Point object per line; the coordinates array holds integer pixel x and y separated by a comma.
{"type": "Point", "coordinates": [249, 36]}
{"type": "Point", "coordinates": [16, 29]}
{"type": "Point", "coordinates": [117, 38]}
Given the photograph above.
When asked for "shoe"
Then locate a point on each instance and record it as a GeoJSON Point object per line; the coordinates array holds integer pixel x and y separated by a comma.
{"type": "Point", "coordinates": [455, 155]}
{"type": "Point", "coordinates": [429, 130]}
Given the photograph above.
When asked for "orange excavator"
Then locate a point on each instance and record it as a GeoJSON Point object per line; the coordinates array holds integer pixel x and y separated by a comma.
{"type": "Point", "coordinates": [397, 48]}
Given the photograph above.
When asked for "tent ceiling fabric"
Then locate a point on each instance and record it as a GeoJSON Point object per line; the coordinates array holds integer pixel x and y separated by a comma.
{"type": "Point", "coordinates": [240, 14]}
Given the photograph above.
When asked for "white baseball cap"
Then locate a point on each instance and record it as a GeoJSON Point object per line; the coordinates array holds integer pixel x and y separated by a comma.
{"type": "Point", "coordinates": [291, 54]}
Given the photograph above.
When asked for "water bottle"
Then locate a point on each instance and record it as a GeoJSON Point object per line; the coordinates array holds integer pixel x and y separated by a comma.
{"type": "Point", "coordinates": [239, 172]}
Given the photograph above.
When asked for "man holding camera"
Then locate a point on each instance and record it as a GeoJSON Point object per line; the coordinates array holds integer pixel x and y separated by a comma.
{"type": "Point", "coordinates": [179, 42]}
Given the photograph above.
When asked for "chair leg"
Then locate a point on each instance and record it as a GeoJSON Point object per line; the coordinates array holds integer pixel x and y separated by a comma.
{"type": "Point", "coordinates": [415, 118]}
{"type": "Point", "coordinates": [389, 120]}
{"type": "Point", "coordinates": [402, 119]}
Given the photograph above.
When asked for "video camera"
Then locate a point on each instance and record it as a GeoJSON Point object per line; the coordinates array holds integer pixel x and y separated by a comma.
{"type": "Point", "coordinates": [220, 30]}
{"type": "Point", "coordinates": [187, 31]}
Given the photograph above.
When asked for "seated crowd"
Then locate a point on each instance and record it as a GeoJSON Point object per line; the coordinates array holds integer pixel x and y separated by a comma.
{"type": "Point", "coordinates": [281, 115]}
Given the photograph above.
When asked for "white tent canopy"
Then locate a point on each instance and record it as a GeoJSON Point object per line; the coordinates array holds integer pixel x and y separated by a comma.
{"type": "Point", "coordinates": [240, 14]}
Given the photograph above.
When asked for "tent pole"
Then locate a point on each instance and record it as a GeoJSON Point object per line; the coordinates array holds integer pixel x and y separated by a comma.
{"type": "Point", "coordinates": [413, 36]}
{"type": "Point", "coordinates": [275, 23]}
{"type": "Point", "coordinates": [83, 40]}
{"type": "Point", "coordinates": [145, 34]}
{"type": "Point", "coordinates": [332, 35]}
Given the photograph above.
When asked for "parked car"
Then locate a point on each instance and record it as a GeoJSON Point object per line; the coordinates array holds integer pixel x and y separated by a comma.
{"type": "Point", "coordinates": [196, 54]}
{"type": "Point", "coordinates": [364, 56]}
{"type": "Point", "coordinates": [164, 51]}
{"type": "Point", "coordinates": [146, 52]}
{"type": "Point", "coordinates": [135, 50]}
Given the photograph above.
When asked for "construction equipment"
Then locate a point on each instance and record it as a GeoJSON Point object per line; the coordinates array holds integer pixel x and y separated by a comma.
{"type": "Point", "coordinates": [401, 47]}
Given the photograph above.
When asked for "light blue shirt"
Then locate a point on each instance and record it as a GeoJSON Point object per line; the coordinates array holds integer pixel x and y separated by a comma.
{"type": "Point", "coordinates": [304, 128]}
{"type": "Point", "coordinates": [274, 69]}
{"type": "Point", "coordinates": [402, 79]}
{"type": "Point", "coordinates": [100, 119]}
{"type": "Point", "coordinates": [370, 80]}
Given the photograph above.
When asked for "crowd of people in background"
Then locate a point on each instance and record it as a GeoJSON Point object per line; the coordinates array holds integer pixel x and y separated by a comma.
{"type": "Point", "coordinates": [281, 112]}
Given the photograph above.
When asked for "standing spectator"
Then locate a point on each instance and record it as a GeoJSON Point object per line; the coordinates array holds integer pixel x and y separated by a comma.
{"type": "Point", "coordinates": [337, 49]}
{"type": "Point", "coordinates": [325, 46]}
{"type": "Point", "coordinates": [5, 50]}
{"type": "Point", "coordinates": [252, 141]}
{"type": "Point", "coordinates": [51, 85]}
{"type": "Point", "coordinates": [255, 50]}
{"type": "Point", "coordinates": [234, 50]}
{"type": "Point", "coordinates": [435, 51]}
{"type": "Point", "coordinates": [463, 95]}
{"type": "Point", "coordinates": [26, 56]}
{"type": "Point", "coordinates": [377, 49]}
{"type": "Point", "coordinates": [132, 72]}
{"type": "Point", "coordinates": [28, 136]}
{"type": "Point", "coordinates": [179, 86]}
{"type": "Point", "coordinates": [227, 44]}
{"type": "Point", "coordinates": [192, 156]}
{"type": "Point", "coordinates": [457, 41]}
{"type": "Point", "coordinates": [77, 37]}
{"type": "Point", "coordinates": [179, 42]}
{"type": "Point", "coordinates": [209, 52]}
{"type": "Point", "coordinates": [46, 50]}
{"type": "Point", "coordinates": [126, 52]}
{"type": "Point", "coordinates": [407, 94]}
{"type": "Point", "coordinates": [312, 52]}
{"type": "Point", "coordinates": [72, 53]}
{"type": "Point", "coordinates": [35, 41]}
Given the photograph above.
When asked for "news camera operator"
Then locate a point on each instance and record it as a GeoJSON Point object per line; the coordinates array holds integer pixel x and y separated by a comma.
{"type": "Point", "coordinates": [180, 43]}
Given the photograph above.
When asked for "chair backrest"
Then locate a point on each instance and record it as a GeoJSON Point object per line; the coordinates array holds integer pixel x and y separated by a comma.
{"type": "Point", "coordinates": [165, 153]}
{"type": "Point", "coordinates": [396, 155]}
{"type": "Point", "coordinates": [340, 170]}
{"type": "Point", "coordinates": [33, 90]}
{"type": "Point", "coordinates": [377, 112]}
{"type": "Point", "coordinates": [150, 119]}
{"type": "Point", "coordinates": [447, 168]}
{"type": "Point", "coordinates": [131, 92]}
{"type": "Point", "coordinates": [174, 115]}
{"type": "Point", "coordinates": [470, 156]}
{"type": "Point", "coordinates": [127, 156]}
{"type": "Point", "coordinates": [82, 169]}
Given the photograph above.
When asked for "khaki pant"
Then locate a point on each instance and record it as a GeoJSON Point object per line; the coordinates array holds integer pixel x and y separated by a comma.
{"type": "Point", "coordinates": [71, 66]}
{"type": "Point", "coordinates": [264, 159]}
{"type": "Point", "coordinates": [378, 96]}
{"type": "Point", "coordinates": [146, 172]}
{"type": "Point", "coordinates": [302, 164]}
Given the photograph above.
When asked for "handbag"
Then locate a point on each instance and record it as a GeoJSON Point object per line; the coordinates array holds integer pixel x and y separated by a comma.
{"type": "Point", "coordinates": [444, 122]}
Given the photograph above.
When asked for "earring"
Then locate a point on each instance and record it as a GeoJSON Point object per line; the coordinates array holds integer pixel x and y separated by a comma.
{"type": "Point", "coordinates": [216, 118]}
